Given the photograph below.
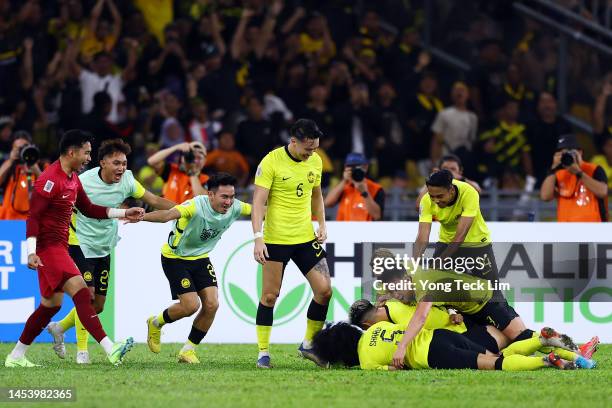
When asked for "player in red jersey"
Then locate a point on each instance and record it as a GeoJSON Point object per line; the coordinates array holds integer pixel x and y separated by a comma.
{"type": "Point", "coordinates": [55, 192]}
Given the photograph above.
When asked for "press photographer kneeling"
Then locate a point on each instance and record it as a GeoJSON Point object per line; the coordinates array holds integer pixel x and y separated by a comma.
{"type": "Point", "coordinates": [581, 187]}
{"type": "Point", "coordinates": [17, 176]}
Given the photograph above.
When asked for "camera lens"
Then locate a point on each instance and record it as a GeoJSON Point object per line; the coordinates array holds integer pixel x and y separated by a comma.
{"type": "Point", "coordinates": [567, 159]}
{"type": "Point", "coordinates": [29, 154]}
{"type": "Point", "coordinates": [189, 157]}
{"type": "Point", "coordinates": [358, 174]}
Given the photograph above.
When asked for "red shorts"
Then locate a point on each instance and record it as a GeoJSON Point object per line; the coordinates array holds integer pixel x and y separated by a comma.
{"type": "Point", "coordinates": [57, 268]}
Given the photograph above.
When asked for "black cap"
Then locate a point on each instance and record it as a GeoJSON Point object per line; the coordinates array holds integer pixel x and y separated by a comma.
{"type": "Point", "coordinates": [567, 141]}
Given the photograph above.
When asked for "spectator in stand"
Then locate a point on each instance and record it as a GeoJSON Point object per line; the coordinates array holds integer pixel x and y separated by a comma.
{"type": "Point", "coordinates": [226, 159]}
{"type": "Point", "coordinates": [95, 122]}
{"type": "Point", "coordinates": [543, 134]}
{"type": "Point", "coordinates": [100, 35]}
{"type": "Point", "coordinates": [392, 143]}
{"type": "Point", "coordinates": [359, 198]}
{"type": "Point", "coordinates": [604, 160]}
{"type": "Point", "coordinates": [455, 128]}
{"type": "Point", "coordinates": [580, 187]}
{"type": "Point", "coordinates": [255, 137]}
{"type": "Point", "coordinates": [201, 128]}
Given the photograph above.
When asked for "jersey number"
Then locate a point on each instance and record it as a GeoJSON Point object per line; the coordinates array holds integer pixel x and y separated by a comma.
{"type": "Point", "coordinates": [298, 190]}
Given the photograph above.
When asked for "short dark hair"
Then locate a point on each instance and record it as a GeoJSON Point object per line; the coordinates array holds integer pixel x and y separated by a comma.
{"type": "Point", "coordinates": [359, 311]}
{"type": "Point", "coordinates": [21, 134]}
{"type": "Point", "coordinates": [452, 158]}
{"type": "Point", "coordinates": [338, 344]}
{"type": "Point", "coordinates": [440, 178]}
{"type": "Point", "coordinates": [110, 147]}
{"type": "Point", "coordinates": [221, 179]}
{"type": "Point", "coordinates": [74, 138]}
{"type": "Point", "coordinates": [305, 129]}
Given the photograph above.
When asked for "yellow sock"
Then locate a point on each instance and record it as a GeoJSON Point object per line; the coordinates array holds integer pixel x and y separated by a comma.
{"type": "Point", "coordinates": [312, 328]}
{"type": "Point", "coordinates": [160, 319]}
{"type": "Point", "coordinates": [263, 337]}
{"type": "Point", "coordinates": [82, 334]}
{"type": "Point", "coordinates": [565, 354]}
{"type": "Point", "coordinates": [517, 362]}
{"type": "Point", "coordinates": [523, 347]}
{"type": "Point", "coordinates": [68, 321]}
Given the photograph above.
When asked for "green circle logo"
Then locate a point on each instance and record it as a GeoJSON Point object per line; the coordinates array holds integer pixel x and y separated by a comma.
{"type": "Point", "coordinates": [242, 289]}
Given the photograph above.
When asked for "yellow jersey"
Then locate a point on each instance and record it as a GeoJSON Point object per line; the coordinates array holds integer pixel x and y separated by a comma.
{"type": "Point", "coordinates": [467, 204]}
{"type": "Point", "coordinates": [378, 344]}
{"type": "Point", "coordinates": [288, 219]}
{"type": "Point", "coordinates": [438, 318]}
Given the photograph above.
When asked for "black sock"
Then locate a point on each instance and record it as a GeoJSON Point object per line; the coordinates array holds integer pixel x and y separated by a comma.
{"type": "Point", "coordinates": [166, 316]}
{"type": "Point", "coordinates": [316, 311]}
{"type": "Point", "coordinates": [196, 335]}
{"type": "Point", "coordinates": [499, 362]}
{"type": "Point", "coordinates": [265, 315]}
{"type": "Point", "coordinates": [525, 334]}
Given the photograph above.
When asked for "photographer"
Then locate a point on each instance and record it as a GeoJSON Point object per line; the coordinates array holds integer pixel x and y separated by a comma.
{"type": "Point", "coordinates": [581, 188]}
{"type": "Point", "coordinates": [184, 180]}
{"type": "Point", "coordinates": [359, 198]}
{"type": "Point", "coordinates": [17, 176]}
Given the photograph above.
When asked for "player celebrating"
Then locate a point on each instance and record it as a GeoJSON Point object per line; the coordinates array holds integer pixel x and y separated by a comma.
{"type": "Point", "coordinates": [55, 193]}
{"type": "Point", "coordinates": [289, 180]}
{"type": "Point", "coordinates": [440, 348]}
{"type": "Point", "coordinates": [91, 241]}
{"type": "Point", "coordinates": [201, 222]}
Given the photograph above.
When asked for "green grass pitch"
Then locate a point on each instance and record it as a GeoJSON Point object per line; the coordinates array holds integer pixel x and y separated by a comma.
{"type": "Point", "coordinates": [228, 377]}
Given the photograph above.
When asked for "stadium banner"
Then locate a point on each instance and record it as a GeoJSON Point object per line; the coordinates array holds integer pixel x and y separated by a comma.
{"type": "Point", "coordinates": [19, 293]}
{"type": "Point", "coordinates": [141, 288]}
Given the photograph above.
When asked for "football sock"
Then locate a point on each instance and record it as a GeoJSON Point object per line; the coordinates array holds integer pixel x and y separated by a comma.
{"type": "Point", "coordinates": [315, 319]}
{"type": "Point", "coordinates": [82, 335]}
{"type": "Point", "coordinates": [19, 350]}
{"type": "Point", "coordinates": [195, 337]}
{"type": "Point", "coordinates": [523, 347]}
{"type": "Point", "coordinates": [68, 321]}
{"type": "Point", "coordinates": [263, 321]}
{"type": "Point", "coordinates": [162, 318]}
{"type": "Point", "coordinates": [517, 362]}
{"type": "Point", "coordinates": [87, 314]}
{"type": "Point", "coordinates": [565, 354]}
{"type": "Point", "coordinates": [36, 323]}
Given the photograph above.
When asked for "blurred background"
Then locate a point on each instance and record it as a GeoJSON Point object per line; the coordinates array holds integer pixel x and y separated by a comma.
{"type": "Point", "coordinates": [409, 85]}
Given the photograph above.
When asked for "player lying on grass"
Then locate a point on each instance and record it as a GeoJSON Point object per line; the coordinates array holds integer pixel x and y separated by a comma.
{"type": "Point", "coordinates": [56, 192]}
{"type": "Point", "coordinates": [200, 224]}
{"type": "Point", "coordinates": [364, 314]}
{"type": "Point", "coordinates": [345, 344]}
{"type": "Point", "coordinates": [479, 306]}
{"type": "Point", "coordinates": [92, 241]}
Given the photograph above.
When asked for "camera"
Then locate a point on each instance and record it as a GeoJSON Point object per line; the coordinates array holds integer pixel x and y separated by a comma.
{"type": "Point", "coordinates": [358, 174]}
{"type": "Point", "coordinates": [29, 154]}
{"type": "Point", "coordinates": [189, 156]}
{"type": "Point", "coordinates": [568, 158]}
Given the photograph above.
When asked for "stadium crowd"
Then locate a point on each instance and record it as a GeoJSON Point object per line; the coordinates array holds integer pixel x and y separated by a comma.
{"type": "Point", "coordinates": [230, 76]}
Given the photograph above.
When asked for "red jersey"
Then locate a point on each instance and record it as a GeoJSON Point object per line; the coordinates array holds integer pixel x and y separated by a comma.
{"type": "Point", "coordinates": [54, 195]}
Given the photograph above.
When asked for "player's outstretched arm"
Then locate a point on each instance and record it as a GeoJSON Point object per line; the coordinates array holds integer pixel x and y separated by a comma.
{"type": "Point", "coordinates": [157, 202]}
{"type": "Point", "coordinates": [318, 209]}
{"type": "Point", "coordinates": [162, 215]}
{"type": "Point", "coordinates": [260, 196]}
{"type": "Point", "coordinates": [415, 325]}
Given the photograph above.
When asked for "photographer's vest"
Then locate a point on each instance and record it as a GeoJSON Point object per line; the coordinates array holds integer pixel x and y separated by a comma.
{"type": "Point", "coordinates": [178, 187]}
{"type": "Point", "coordinates": [575, 202]}
{"type": "Point", "coordinates": [352, 205]}
{"type": "Point", "coordinates": [16, 202]}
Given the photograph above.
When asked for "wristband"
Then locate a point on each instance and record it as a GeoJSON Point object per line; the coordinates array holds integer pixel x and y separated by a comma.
{"type": "Point", "coordinates": [258, 234]}
{"type": "Point", "coordinates": [31, 244]}
{"type": "Point", "coordinates": [116, 213]}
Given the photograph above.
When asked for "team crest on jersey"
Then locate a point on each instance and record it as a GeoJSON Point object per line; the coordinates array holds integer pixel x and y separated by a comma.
{"type": "Point", "coordinates": [209, 233]}
{"type": "Point", "coordinates": [48, 186]}
{"type": "Point", "coordinates": [259, 171]}
{"type": "Point", "coordinates": [185, 283]}
{"type": "Point", "coordinates": [311, 177]}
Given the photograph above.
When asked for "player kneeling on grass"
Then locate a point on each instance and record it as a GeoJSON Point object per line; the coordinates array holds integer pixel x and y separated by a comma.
{"type": "Point", "coordinates": [92, 241]}
{"type": "Point", "coordinates": [365, 315]}
{"type": "Point", "coordinates": [345, 344]}
{"type": "Point", "coordinates": [200, 223]}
